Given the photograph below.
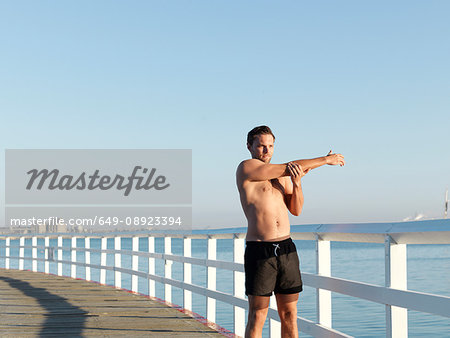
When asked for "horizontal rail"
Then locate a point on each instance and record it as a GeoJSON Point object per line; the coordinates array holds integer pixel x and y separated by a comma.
{"type": "Point", "coordinates": [414, 232]}
{"type": "Point", "coordinates": [225, 265]}
{"type": "Point", "coordinates": [413, 300]}
{"type": "Point", "coordinates": [179, 284]}
{"type": "Point", "coordinates": [423, 237]}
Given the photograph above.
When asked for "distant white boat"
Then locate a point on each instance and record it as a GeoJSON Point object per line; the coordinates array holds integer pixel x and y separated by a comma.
{"type": "Point", "coordinates": [417, 217]}
{"type": "Point", "coordinates": [420, 216]}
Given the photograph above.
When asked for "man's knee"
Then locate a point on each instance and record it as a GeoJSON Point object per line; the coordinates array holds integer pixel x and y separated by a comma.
{"type": "Point", "coordinates": [258, 314]}
{"type": "Point", "coordinates": [287, 307]}
{"type": "Point", "coordinates": [288, 315]}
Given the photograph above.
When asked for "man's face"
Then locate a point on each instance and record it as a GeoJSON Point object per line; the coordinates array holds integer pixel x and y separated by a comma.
{"type": "Point", "coordinates": [262, 147]}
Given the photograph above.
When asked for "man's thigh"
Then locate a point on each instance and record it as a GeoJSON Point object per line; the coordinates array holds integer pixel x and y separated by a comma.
{"type": "Point", "coordinates": [287, 302]}
{"type": "Point", "coordinates": [257, 303]}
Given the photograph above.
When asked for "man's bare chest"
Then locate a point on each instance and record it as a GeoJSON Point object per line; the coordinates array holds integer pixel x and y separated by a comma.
{"type": "Point", "coordinates": [273, 187]}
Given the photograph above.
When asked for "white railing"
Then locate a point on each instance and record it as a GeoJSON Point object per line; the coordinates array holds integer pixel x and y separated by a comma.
{"type": "Point", "coordinates": [394, 294]}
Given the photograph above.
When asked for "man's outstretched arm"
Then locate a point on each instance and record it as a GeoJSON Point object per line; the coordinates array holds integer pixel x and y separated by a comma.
{"type": "Point", "coordinates": [256, 170]}
{"type": "Point", "coordinates": [330, 159]}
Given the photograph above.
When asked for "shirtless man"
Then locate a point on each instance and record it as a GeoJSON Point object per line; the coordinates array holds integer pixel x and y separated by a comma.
{"type": "Point", "coordinates": [268, 191]}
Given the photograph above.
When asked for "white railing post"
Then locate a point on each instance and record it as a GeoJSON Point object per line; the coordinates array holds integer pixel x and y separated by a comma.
{"type": "Point", "coordinates": [46, 254]}
{"type": "Point", "coordinates": [396, 277]}
{"type": "Point", "coordinates": [7, 251]}
{"type": "Point", "coordinates": [323, 268]}
{"type": "Point", "coordinates": [168, 269]}
{"type": "Point", "coordinates": [239, 285]}
{"type": "Point", "coordinates": [104, 246]}
{"type": "Point", "coordinates": [135, 264]}
{"type": "Point", "coordinates": [117, 262]}
{"type": "Point", "coordinates": [60, 255]}
{"type": "Point", "coordinates": [87, 257]}
{"type": "Point", "coordinates": [187, 274]}
{"type": "Point", "coordinates": [73, 257]}
{"type": "Point", "coordinates": [151, 267]}
{"type": "Point", "coordinates": [34, 253]}
{"type": "Point", "coordinates": [274, 325]}
{"type": "Point", "coordinates": [211, 280]}
{"type": "Point", "coordinates": [21, 252]}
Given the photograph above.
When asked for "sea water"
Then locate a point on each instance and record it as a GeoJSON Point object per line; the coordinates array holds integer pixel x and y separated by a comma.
{"type": "Point", "coordinates": [428, 271]}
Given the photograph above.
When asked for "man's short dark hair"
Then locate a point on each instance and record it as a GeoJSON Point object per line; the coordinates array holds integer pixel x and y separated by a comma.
{"type": "Point", "coordinates": [261, 130]}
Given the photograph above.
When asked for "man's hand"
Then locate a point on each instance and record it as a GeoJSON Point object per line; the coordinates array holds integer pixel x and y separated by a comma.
{"type": "Point", "coordinates": [335, 159]}
{"type": "Point", "coordinates": [296, 172]}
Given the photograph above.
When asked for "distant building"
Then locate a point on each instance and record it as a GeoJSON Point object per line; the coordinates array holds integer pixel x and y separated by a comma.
{"type": "Point", "coordinates": [51, 228]}
{"type": "Point", "coordinates": [48, 227]}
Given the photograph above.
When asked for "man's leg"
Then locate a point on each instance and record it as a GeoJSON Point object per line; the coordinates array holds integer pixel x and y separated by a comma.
{"type": "Point", "coordinates": [257, 312]}
{"type": "Point", "coordinates": [287, 309]}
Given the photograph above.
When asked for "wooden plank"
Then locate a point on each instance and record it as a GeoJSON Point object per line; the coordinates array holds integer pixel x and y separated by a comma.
{"type": "Point", "coordinates": [35, 304]}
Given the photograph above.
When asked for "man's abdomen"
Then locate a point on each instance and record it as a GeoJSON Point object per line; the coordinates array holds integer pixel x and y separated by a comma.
{"type": "Point", "coordinates": [269, 226]}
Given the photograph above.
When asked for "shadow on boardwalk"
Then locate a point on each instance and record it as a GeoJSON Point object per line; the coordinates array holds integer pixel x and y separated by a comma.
{"type": "Point", "coordinates": [59, 311]}
{"type": "Point", "coordinates": [39, 305]}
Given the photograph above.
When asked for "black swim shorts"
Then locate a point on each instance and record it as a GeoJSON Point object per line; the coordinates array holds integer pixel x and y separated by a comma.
{"type": "Point", "coordinates": [272, 267]}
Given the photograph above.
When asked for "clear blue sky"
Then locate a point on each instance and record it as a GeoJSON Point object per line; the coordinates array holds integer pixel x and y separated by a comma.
{"type": "Point", "coordinates": [368, 79]}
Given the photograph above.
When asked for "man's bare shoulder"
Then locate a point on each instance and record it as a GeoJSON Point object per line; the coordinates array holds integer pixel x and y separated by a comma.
{"type": "Point", "coordinates": [252, 162]}
{"type": "Point", "coordinates": [248, 165]}
{"type": "Point", "coordinates": [245, 167]}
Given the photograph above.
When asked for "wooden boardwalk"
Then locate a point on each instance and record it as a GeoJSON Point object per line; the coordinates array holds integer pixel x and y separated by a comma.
{"type": "Point", "coordinates": [38, 305]}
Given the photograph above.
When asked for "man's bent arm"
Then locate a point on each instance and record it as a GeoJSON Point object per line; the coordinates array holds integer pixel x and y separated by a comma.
{"type": "Point", "coordinates": [256, 170]}
{"type": "Point", "coordinates": [294, 201]}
